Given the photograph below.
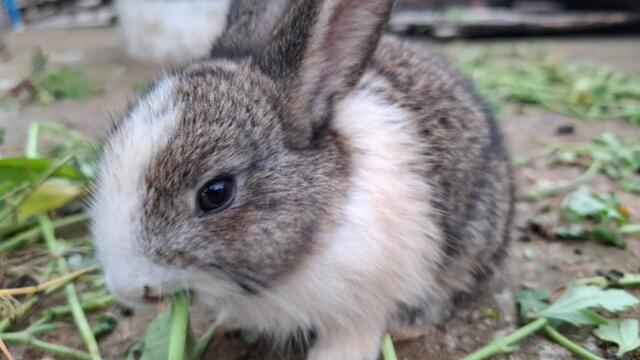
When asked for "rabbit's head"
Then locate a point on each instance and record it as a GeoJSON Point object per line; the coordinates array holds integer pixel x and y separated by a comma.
{"type": "Point", "coordinates": [220, 177]}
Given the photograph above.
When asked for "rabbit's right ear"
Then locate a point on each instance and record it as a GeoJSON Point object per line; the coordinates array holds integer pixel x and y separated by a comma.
{"type": "Point", "coordinates": [250, 23]}
{"type": "Point", "coordinates": [318, 54]}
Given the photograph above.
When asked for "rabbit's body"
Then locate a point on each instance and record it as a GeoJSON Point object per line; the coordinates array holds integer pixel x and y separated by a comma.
{"type": "Point", "coordinates": [461, 157]}
{"type": "Point", "coordinates": [370, 214]}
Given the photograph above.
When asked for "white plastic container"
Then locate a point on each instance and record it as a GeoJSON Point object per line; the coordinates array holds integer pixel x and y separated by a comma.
{"type": "Point", "coordinates": [170, 30]}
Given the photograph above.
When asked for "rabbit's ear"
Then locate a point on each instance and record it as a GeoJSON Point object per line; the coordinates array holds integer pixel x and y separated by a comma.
{"type": "Point", "coordinates": [319, 53]}
{"type": "Point", "coordinates": [250, 23]}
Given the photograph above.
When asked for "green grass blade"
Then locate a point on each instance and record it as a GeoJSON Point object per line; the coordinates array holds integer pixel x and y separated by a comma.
{"type": "Point", "coordinates": [388, 351]}
{"type": "Point", "coordinates": [502, 344]}
{"type": "Point", "coordinates": [203, 342]}
{"type": "Point", "coordinates": [179, 327]}
{"type": "Point", "coordinates": [77, 313]}
{"type": "Point", "coordinates": [6, 213]}
{"type": "Point", "coordinates": [31, 147]}
{"type": "Point", "coordinates": [35, 232]}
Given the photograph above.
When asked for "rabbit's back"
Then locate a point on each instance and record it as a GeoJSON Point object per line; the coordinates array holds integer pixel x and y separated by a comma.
{"type": "Point", "coordinates": [465, 163]}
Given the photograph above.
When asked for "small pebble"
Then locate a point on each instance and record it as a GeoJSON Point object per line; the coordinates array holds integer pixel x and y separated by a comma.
{"type": "Point", "coordinates": [126, 312]}
{"type": "Point", "coordinates": [567, 129]}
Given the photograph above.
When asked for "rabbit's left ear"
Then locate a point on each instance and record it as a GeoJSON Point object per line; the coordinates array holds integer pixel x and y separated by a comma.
{"type": "Point", "coordinates": [320, 52]}
{"type": "Point", "coordinates": [250, 24]}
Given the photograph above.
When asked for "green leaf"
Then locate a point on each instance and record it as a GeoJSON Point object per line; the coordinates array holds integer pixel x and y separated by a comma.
{"type": "Point", "coordinates": [20, 169]}
{"type": "Point", "coordinates": [52, 195]}
{"type": "Point", "coordinates": [135, 351]}
{"type": "Point", "coordinates": [610, 140]}
{"type": "Point", "coordinates": [595, 216]}
{"type": "Point", "coordinates": [491, 313]}
{"type": "Point", "coordinates": [609, 235]}
{"type": "Point", "coordinates": [570, 307]}
{"type": "Point", "coordinates": [532, 302]}
{"type": "Point", "coordinates": [44, 96]}
{"type": "Point", "coordinates": [105, 325]}
{"type": "Point", "coordinates": [622, 332]}
{"type": "Point", "coordinates": [569, 88]}
{"type": "Point", "coordinates": [2, 133]}
{"type": "Point", "coordinates": [38, 62]}
{"type": "Point", "coordinates": [571, 232]}
{"type": "Point", "coordinates": [632, 186]}
{"type": "Point", "coordinates": [66, 141]}
{"type": "Point", "coordinates": [65, 83]}
{"type": "Point", "coordinates": [155, 344]}
{"type": "Point", "coordinates": [585, 203]}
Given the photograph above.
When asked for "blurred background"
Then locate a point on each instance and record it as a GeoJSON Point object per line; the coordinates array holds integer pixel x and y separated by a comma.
{"type": "Point", "coordinates": [121, 43]}
{"type": "Point", "coordinates": [148, 26]}
{"type": "Point", "coordinates": [562, 76]}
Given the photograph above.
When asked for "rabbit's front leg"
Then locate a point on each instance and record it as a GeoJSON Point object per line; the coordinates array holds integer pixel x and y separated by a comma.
{"type": "Point", "coordinates": [353, 344]}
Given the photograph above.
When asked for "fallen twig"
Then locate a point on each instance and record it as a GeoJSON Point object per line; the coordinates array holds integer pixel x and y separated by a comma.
{"type": "Point", "coordinates": [5, 350]}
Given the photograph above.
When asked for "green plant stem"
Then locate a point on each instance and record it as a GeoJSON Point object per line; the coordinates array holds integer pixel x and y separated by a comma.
{"type": "Point", "coordinates": [72, 297]}
{"type": "Point", "coordinates": [35, 232]}
{"type": "Point", "coordinates": [388, 352]}
{"type": "Point", "coordinates": [501, 345]}
{"type": "Point", "coordinates": [179, 327]}
{"type": "Point", "coordinates": [31, 147]}
{"type": "Point", "coordinates": [60, 311]}
{"type": "Point", "coordinates": [599, 281]}
{"type": "Point", "coordinates": [630, 280]}
{"type": "Point", "coordinates": [546, 192]}
{"type": "Point", "coordinates": [40, 329]}
{"type": "Point", "coordinates": [630, 229]}
{"type": "Point", "coordinates": [579, 351]}
{"type": "Point", "coordinates": [27, 339]}
{"type": "Point", "coordinates": [60, 131]}
{"type": "Point", "coordinates": [12, 229]}
{"type": "Point", "coordinates": [6, 213]}
{"type": "Point", "coordinates": [89, 305]}
{"type": "Point", "coordinates": [203, 342]}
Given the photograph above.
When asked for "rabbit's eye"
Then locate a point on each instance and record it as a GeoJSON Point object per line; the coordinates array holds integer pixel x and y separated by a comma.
{"type": "Point", "coordinates": [216, 194]}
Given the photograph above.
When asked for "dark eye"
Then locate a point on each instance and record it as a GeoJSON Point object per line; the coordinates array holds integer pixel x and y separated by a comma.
{"type": "Point", "coordinates": [216, 194]}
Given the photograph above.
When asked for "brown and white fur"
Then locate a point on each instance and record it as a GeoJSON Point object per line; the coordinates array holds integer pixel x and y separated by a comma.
{"type": "Point", "coordinates": [372, 185]}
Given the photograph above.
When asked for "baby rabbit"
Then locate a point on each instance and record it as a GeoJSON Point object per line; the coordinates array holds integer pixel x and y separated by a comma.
{"type": "Point", "coordinates": [310, 174]}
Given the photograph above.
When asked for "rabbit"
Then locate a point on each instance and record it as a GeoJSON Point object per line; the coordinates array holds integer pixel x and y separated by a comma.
{"type": "Point", "coordinates": [316, 176]}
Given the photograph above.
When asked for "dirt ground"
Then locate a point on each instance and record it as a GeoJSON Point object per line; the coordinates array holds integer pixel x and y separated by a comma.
{"type": "Point", "coordinates": [552, 265]}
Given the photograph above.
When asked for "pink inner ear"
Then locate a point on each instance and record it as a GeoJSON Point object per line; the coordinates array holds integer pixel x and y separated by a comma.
{"type": "Point", "coordinates": [348, 27]}
{"type": "Point", "coordinates": [347, 36]}
{"type": "Point", "coordinates": [339, 26]}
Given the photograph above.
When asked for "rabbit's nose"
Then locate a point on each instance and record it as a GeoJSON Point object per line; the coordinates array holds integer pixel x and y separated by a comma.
{"type": "Point", "coordinates": [149, 296]}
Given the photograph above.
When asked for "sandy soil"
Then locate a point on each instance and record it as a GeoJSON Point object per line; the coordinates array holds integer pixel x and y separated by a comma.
{"type": "Point", "coordinates": [553, 263]}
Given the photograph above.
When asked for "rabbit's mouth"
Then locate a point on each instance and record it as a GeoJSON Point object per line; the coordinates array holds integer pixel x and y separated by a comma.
{"type": "Point", "coordinates": [149, 297]}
